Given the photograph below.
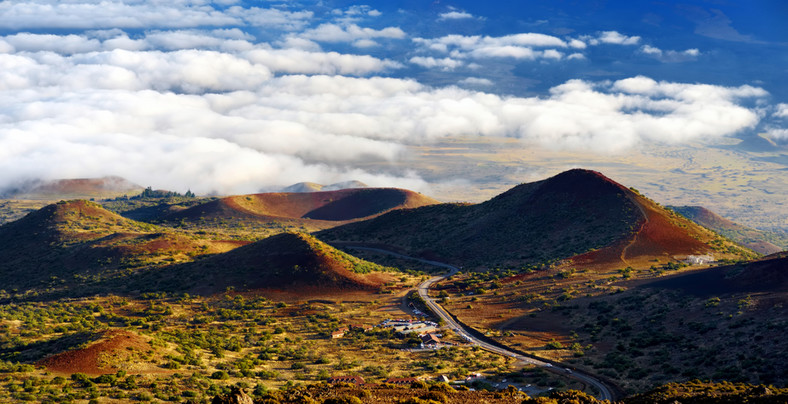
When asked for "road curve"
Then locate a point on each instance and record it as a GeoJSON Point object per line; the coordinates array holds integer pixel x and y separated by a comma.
{"type": "Point", "coordinates": [605, 393]}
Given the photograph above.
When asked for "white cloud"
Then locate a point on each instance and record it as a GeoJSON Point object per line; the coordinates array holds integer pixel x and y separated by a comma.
{"type": "Point", "coordinates": [614, 38]}
{"type": "Point", "coordinates": [365, 43]}
{"type": "Point", "coordinates": [781, 111]}
{"type": "Point", "coordinates": [778, 133]}
{"type": "Point", "coordinates": [330, 32]}
{"type": "Point", "coordinates": [50, 14]}
{"type": "Point", "coordinates": [455, 15]}
{"type": "Point", "coordinates": [430, 62]}
{"type": "Point", "coordinates": [194, 100]}
{"type": "Point", "coordinates": [238, 128]}
{"type": "Point", "coordinates": [273, 18]}
{"type": "Point", "coordinates": [517, 46]}
{"type": "Point", "coordinates": [296, 61]}
{"type": "Point", "coordinates": [476, 82]}
{"type": "Point", "coordinates": [552, 54]}
{"type": "Point", "coordinates": [506, 51]}
{"type": "Point", "coordinates": [68, 44]}
{"type": "Point", "coordinates": [670, 56]}
{"type": "Point", "coordinates": [577, 44]}
{"type": "Point", "coordinates": [294, 42]}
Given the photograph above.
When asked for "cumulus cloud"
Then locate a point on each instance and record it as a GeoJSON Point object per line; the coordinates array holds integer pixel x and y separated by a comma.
{"type": "Point", "coordinates": [455, 15]}
{"type": "Point", "coordinates": [613, 38]}
{"type": "Point", "coordinates": [50, 14]}
{"type": "Point", "coordinates": [781, 111]}
{"type": "Point", "coordinates": [517, 46]}
{"type": "Point", "coordinates": [431, 63]}
{"type": "Point", "coordinates": [167, 118]}
{"type": "Point", "coordinates": [308, 62]}
{"type": "Point", "coordinates": [68, 44]}
{"type": "Point", "coordinates": [670, 56]}
{"type": "Point", "coordinates": [272, 18]}
{"type": "Point", "coordinates": [778, 133]}
{"type": "Point", "coordinates": [330, 32]}
{"type": "Point", "coordinates": [475, 82]}
{"type": "Point", "coordinates": [577, 44]}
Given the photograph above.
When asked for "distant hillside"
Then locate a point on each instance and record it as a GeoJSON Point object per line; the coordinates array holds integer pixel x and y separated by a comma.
{"type": "Point", "coordinates": [759, 241]}
{"type": "Point", "coordinates": [314, 187]}
{"type": "Point", "coordinates": [295, 262]}
{"type": "Point", "coordinates": [313, 210]}
{"type": "Point", "coordinates": [78, 188]}
{"type": "Point", "coordinates": [569, 214]}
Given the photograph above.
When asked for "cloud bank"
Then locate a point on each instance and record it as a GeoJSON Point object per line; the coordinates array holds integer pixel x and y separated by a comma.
{"type": "Point", "coordinates": [186, 94]}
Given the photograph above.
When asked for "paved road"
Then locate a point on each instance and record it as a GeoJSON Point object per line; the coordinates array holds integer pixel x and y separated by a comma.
{"type": "Point", "coordinates": [423, 288]}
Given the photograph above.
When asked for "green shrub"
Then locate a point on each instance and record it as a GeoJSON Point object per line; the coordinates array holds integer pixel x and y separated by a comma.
{"type": "Point", "coordinates": [342, 400]}
{"type": "Point", "coordinates": [220, 375]}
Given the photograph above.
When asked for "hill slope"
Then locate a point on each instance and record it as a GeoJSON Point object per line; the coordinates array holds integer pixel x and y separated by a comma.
{"type": "Point", "coordinates": [569, 214]}
{"type": "Point", "coordinates": [756, 240]}
{"type": "Point", "coordinates": [313, 210]}
{"type": "Point", "coordinates": [69, 242]}
{"type": "Point", "coordinates": [295, 262]}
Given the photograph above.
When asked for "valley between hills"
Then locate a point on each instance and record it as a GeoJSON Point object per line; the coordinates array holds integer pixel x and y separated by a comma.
{"type": "Point", "coordinates": [589, 288]}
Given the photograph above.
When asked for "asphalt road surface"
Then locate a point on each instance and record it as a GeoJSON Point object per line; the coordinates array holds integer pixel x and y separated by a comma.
{"type": "Point", "coordinates": [604, 392]}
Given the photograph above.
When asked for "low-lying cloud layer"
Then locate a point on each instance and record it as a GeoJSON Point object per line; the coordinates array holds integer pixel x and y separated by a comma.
{"type": "Point", "coordinates": [202, 103]}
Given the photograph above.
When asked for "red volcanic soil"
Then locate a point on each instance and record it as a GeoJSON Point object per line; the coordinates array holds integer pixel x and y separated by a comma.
{"type": "Point", "coordinates": [93, 360]}
{"type": "Point", "coordinates": [330, 206]}
{"type": "Point", "coordinates": [660, 236]}
{"type": "Point", "coordinates": [657, 234]}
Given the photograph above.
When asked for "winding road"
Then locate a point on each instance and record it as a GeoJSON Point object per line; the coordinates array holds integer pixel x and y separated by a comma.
{"type": "Point", "coordinates": [605, 393]}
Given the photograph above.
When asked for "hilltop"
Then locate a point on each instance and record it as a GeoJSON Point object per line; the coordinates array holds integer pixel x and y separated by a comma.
{"type": "Point", "coordinates": [290, 262]}
{"type": "Point", "coordinates": [572, 213]}
{"type": "Point", "coordinates": [759, 241]}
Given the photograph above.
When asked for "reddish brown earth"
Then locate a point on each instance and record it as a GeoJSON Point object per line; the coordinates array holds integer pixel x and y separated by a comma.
{"type": "Point", "coordinates": [98, 358]}
{"type": "Point", "coordinates": [85, 186]}
{"type": "Point", "coordinates": [317, 208]}
{"type": "Point", "coordinates": [659, 234]}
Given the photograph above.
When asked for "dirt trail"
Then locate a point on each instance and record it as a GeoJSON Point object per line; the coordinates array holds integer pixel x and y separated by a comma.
{"type": "Point", "coordinates": [637, 233]}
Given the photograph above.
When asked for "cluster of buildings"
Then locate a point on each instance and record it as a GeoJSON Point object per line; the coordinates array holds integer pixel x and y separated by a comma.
{"type": "Point", "coordinates": [403, 327]}
{"type": "Point", "coordinates": [425, 329]}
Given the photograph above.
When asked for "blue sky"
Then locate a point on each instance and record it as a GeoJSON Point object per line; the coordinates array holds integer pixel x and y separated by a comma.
{"type": "Point", "coordinates": [247, 96]}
